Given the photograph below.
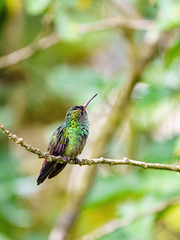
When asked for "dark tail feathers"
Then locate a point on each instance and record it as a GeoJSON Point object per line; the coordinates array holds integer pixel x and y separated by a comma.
{"type": "Point", "coordinates": [57, 169]}
{"type": "Point", "coordinates": [50, 170]}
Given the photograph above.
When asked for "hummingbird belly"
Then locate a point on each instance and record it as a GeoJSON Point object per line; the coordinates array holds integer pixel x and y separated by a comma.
{"type": "Point", "coordinates": [77, 140]}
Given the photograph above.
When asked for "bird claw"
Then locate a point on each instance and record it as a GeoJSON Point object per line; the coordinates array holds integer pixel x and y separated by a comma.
{"type": "Point", "coordinates": [76, 161]}
{"type": "Point", "coordinates": [66, 159]}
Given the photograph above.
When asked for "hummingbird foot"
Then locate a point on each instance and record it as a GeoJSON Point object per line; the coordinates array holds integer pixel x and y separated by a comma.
{"type": "Point", "coordinates": [67, 159]}
{"type": "Point", "coordinates": [76, 161]}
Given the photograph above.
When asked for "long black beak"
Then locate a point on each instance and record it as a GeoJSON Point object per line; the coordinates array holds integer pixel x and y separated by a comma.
{"type": "Point", "coordinates": [85, 105]}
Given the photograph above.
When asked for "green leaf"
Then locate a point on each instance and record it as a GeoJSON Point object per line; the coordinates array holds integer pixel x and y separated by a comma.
{"type": "Point", "coordinates": [66, 27]}
{"type": "Point", "coordinates": [172, 53]}
{"type": "Point", "coordinates": [156, 151]}
{"type": "Point", "coordinates": [112, 187]}
{"type": "Point", "coordinates": [131, 209]}
{"type": "Point", "coordinates": [2, 6]}
{"type": "Point", "coordinates": [36, 7]}
{"type": "Point", "coordinates": [139, 230]}
{"type": "Point", "coordinates": [69, 80]}
{"type": "Point", "coordinates": [169, 15]}
{"type": "Point", "coordinates": [3, 237]}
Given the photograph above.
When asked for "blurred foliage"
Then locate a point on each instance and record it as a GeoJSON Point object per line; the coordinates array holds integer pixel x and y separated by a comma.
{"type": "Point", "coordinates": [36, 93]}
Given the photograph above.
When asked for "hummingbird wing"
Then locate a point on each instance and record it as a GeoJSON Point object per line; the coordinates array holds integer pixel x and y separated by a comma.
{"type": "Point", "coordinates": [56, 147]}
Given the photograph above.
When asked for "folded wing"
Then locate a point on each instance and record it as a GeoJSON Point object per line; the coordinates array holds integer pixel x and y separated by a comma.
{"type": "Point", "coordinates": [56, 147]}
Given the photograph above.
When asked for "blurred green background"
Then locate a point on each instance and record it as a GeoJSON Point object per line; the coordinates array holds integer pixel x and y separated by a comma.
{"type": "Point", "coordinates": [136, 114]}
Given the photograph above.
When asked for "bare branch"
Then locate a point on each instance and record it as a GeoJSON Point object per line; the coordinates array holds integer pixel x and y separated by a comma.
{"type": "Point", "coordinates": [121, 223]}
{"type": "Point", "coordinates": [118, 21]}
{"type": "Point", "coordinates": [89, 162]}
{"type": "Point", "coordinates": [53, 38]}
{"type": "Point", "coordinates": [29, 50]}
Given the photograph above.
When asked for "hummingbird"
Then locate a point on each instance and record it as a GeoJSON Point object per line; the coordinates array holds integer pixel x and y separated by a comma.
{"type": "Point", "coordinates": [67, 141]}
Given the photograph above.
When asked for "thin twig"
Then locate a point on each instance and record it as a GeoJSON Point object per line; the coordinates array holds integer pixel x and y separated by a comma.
{"type": "Point", "coordinates": [121, 223]}
{"type": "Point", "coordinates": [89, 162]}
{"type": "Point", "coordinates": [53, 38]}
{"type": "Point", "coordinates": [117, 21]}
{"type": "Point", "coordinates": [29, 50]}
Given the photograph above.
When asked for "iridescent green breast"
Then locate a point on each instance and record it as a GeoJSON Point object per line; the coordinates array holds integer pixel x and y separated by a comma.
{"type": "Point", "coordinates": [77, 135]}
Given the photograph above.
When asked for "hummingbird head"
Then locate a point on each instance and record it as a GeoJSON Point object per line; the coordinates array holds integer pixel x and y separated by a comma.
{"type": "Point", "coordinates": [78, 114]}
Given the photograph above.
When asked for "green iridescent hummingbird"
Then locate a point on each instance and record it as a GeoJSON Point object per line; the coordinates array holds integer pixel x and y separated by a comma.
{"type": "Point", "coordinates": [67, 141]}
